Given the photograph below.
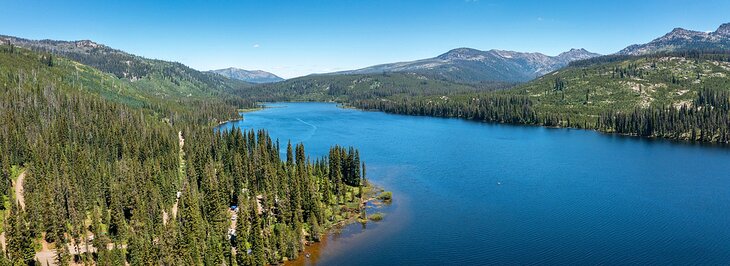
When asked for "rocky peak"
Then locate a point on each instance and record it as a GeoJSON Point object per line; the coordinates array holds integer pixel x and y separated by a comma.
{"type": "Point", "coordinates": [723, 30]}
{"type": "Point", "coordinates": [682, 39]}
{"type": "Point", "coordinates": [680, 33]}
{"type": "Point", "coordinates": [576, 54]}
{"type": "Point", "coordinates": [575, 51]}
{"type": "Point", "coordinates": [253, 76]}
{"type": "Point", "coordinates": [460, 54]}
{"type": "Point", "coordinates": [86, 44]}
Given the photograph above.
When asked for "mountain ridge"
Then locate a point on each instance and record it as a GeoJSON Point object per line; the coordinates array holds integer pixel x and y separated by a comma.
{"type": "Point", "coordinates": [164, 78]}
{"type": "Point", "coordinates": [469, 65]}
{"type": "Point", "coordinates": [252, 76]}
{"type": "Point", "coordinates": [680, 39]}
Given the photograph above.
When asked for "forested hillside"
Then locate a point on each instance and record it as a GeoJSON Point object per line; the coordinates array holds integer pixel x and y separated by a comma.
{"type": "Point", "coordinates": [74, 76]}
{"type": "Point", "coordinates": [352, 87]}
{"type": "Point", "coordinates": [95, 170]}
{"type": "Point", "coordinates": [680, 95]}
{"type": "Point", "coordinates": [156, 77]}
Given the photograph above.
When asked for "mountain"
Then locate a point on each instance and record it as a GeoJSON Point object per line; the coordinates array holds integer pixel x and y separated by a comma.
{"type": "Point", "coordinates": [681, 39]}
{"type": "Point", "coordinates": [164, 78]}
{"type": "Point", "coordinates": [252, 76]}
{"type": "Point", "coordinates": [473, 66]}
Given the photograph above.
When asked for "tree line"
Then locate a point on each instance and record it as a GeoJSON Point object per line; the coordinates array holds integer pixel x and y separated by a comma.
{"type": "Point", "coordinates": [707, 119]}
{"type": "Point", "coordinates": [481, 107]}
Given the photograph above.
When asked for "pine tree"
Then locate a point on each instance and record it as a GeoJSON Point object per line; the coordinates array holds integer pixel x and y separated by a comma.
{"type": "Point", "coordinates": [19, 239]}
{"type": "Point", "coordinates": [256, 236]}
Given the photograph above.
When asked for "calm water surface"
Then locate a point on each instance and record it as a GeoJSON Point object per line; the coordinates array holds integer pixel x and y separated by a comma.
{"type": "Point", "coordinates": [476, 193]}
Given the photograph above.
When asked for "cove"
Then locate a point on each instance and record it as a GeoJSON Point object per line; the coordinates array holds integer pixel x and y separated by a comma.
{"type": "Point", "coordinates": [478, 193]}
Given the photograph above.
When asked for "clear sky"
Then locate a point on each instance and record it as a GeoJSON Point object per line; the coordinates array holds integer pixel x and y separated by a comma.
{"type": "Point", "coordinates": [294, 38]}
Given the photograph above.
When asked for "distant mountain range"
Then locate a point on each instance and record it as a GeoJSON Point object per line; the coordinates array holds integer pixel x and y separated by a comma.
{"type": "Point", "coordinates": [461, 65]}
{"type": "Point", "coordinates": [472, 66]}
{"type": "Point", "coordinates": [468, 65]}
{"type": "Point", "coordinates": [681, 39]}
{"type": "Point", "coordinates": [253, 76]}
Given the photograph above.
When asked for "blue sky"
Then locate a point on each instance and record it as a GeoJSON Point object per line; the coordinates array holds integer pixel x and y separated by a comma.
{"type": "Point", "coordinates": [294, 38]}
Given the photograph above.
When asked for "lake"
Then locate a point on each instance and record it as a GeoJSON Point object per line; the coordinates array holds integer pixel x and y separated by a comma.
{"type": "Point", "coordinates": [479, 193]}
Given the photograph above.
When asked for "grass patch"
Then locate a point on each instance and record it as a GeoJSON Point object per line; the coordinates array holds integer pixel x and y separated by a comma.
{"type": "Point", "coordinates": [376, 217]}
{"type": "Point", "coordinates": [248, 110]}
{"type": "Point", "coordinates": [386, 196]}
{"type": "Point", "coordinates": [15, 171]}
{"type": "Point", "coordinates": [353, 205]}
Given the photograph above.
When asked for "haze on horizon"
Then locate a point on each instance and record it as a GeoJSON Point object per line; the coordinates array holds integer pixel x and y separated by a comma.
{"type": "Point", "coordinates": [293, 39]}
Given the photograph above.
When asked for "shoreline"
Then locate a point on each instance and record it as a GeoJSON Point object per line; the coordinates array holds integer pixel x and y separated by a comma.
{"type": "Point", "coordinates": [372, 201]}
{"type": "Point", "coordinates": [242, 111]}
{"type": "Point", "coordinates": [312, 249]}
{"type": "Point", "coordinates": [345, 105]}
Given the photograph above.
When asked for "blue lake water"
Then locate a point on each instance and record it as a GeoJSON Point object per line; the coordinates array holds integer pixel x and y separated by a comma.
{"type": "Point", "coordinates": [478, 193]}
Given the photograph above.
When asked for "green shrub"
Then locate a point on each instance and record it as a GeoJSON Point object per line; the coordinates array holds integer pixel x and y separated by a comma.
{"type": "Point", "coordinates": [376, 217]}
{"type": "Point", "coordinates": [386, 196]}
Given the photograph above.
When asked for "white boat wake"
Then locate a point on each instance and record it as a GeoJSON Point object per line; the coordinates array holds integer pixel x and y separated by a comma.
{"type": "Point", "coordinates": [314, 129]}
{"type": "Point", "coordinates": [313, 126]}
